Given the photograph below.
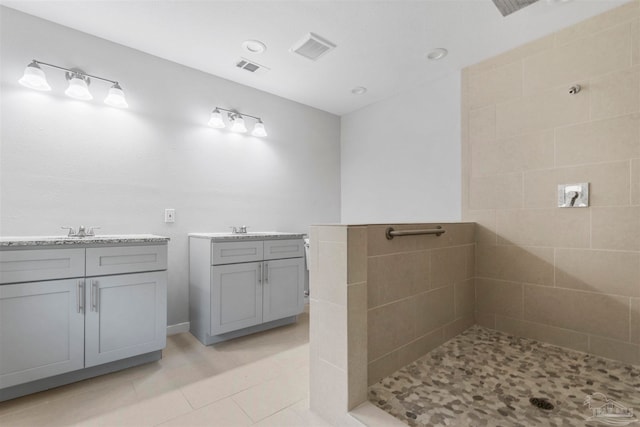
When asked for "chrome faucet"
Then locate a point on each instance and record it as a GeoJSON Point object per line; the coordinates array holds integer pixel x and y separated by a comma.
{"type": "Point", "coordinates": [82, 232]}
{"type": "Point", "coordinates": [239, 230]}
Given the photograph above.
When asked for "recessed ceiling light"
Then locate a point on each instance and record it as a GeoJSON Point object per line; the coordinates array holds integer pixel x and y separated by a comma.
{"type": "Point", "coordinates": [436, 54]}
{"type": "Point", "coordinates": [254, 46]}
{"type": "Point", "coordinates": [360, 90]}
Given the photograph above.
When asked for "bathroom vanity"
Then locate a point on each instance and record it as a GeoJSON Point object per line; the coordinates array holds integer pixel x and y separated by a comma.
{"type": "Point", "coordinates": [72, 308]}
{"type": "Point", "coordinates": [244, 283]}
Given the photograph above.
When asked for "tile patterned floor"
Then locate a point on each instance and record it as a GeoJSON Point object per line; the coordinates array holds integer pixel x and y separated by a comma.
{"type": "Point", "coordinates": [260, 380]}
{"type": "Point", "coordinates": [486, 378]}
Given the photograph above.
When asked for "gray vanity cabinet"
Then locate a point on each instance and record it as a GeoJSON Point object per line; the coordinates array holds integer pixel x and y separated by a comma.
{"type": "Point", "coordinates": [41, 330]}
{"type": "Point", "coordinates": [242, 286]}
{"type": "Point", "coordinates": [101, 304]}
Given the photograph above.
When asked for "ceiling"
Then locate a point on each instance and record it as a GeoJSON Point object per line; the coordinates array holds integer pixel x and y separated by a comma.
{"type": "Point", "coordinates": [381, 45]}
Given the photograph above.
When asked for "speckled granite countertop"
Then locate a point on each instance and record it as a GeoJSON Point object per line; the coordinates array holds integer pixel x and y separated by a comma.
{"type": "Point", "coordinates": [262, 235]}
{"type": "Point", "coordinates": [11, 241]}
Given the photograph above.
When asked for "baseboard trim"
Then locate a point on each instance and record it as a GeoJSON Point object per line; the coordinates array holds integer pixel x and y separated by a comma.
{"type": "Point", "coordinates": [178, 328]}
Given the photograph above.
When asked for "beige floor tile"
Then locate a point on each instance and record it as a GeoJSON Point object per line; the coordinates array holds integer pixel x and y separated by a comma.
{"type": "Point", "coordinates": [148, 412]}
{"type": "Point", "coordinates": [284, 418]}
{"type": "Point", "coordinates": [224, 413]}
{"type": "Point", "coordinates": [269, 397]}
{"type": "Point", "coordinates": [224, 384]}
{"type": "Point", "coordinates": [73, 409]}
{"type": "Point", "coordinates": [309, 417]}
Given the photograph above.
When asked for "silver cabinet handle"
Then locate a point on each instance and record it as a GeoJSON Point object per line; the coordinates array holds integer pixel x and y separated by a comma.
{"type": "Point", "coordinates": [266, 272]}
{"type": "Point", "coordinates": [259, 273]}
{"type": "Point", "coordinates": [94, 295]}
{"type": "Point", "coordinates": [80, 296]}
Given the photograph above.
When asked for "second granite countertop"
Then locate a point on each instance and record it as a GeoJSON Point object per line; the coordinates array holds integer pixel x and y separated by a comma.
{"type": "Point", "coordinates": [262, 235]}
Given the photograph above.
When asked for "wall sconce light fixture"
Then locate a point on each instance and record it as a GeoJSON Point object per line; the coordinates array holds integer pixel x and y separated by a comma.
{"type": "Point", "coordinates": [237, 122]}
{"type": "Point", "coordinates": [79, 81]}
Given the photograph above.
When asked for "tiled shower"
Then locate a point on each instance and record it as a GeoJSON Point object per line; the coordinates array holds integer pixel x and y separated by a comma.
{"type": "Point", "coordinates": [520, 265]}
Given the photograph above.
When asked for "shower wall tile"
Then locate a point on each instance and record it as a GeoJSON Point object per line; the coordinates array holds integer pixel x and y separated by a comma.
{"type": "Point", "coordinates": [397, 276]}
{"type": "Point", "coordinates": [615, 94]}
{"type": "Point", "coordinates": [635, 320]}
{"type": "Point", "coordinates": [635, 182]}
{"type": "Point", "coordinates": [635, 38]}
{"type": "Point", "coordinates": [608, 184]}
{"type": "Point", "coordinates": [356, 254]}
{"type": "Point", "coordinates": [593, 313]}
{"type": "Point", "coordinates": [616, 228]}
{"type": "Point", "coordinates": [391, 362]}
{"type": "Point", "coordinates": [599, 141]}
{"type": "Point", "coordinates": [330, 284]}
{"type": "Point", "coordinates": [433, 309]}
{"type": "Point", "coordinates": [482, 124]}
{"type": "Point", "coordinates": [543, 110]}
{"type": "Point", "coordinates": [536, 331]}
{"type": "Point", "coordinates": [357, 343]}
{"type": "Point", "coordinates": [486, 320]}
{"type": "Point", "coordinates": [496, 192]}
{"type": "Point", "coordinates": [581, 59]}
{"type": "Point", "coordinates": [614, 349]}
{"type": "Point", "coordinates": [495, 85]}
{"type": "Point", "coordinates": [499, 297]}
{"type": "Point", "coordinates": [485, 230]}
{"type": "Point", "coordinates": [333, 334]}
{"type": "Point", "coordinates": [596, 24]}
{"type": "Point", "coordinates": [450, 265]}
{"type": "Point", "coordinates": [458, 326]}
{"type": "Point", "coordinates": [389, 327]}
{"type": "Point", "coordinates": [525, 152]}
{"type": "Point", "coordinates": [599, 271]}
{"type": "Point", "coordinates": [465, 296]}
{"type": "Point", "coordinates": [544, 227]}
{"type": "Point", "coordinates": [513, 55]}
{"type": "Point", "coordinates": [516, 263]}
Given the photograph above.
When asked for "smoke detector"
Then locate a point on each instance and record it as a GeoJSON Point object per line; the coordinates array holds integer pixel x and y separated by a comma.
{"type": "Point", "coordinates": [250, 66]}
{"type": "Point", "coordinates": [312, 47]}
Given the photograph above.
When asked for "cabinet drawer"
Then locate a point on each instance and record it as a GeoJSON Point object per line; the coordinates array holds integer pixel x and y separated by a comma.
{"type": "Point", "coordinates": [40, 264]}
{"type": "Point", "coordinates": [277, 249]}
{"type": "Point", "coordinates": [234, 252]}
{"type": "Point", "coordinates": [126, 259]}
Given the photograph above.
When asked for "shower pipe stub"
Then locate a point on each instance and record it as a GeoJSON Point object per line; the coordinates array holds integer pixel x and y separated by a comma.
{"type": "Point", "coordinates": [391, 233]}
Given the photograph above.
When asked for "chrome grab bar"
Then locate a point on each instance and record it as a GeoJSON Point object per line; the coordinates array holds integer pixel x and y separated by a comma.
{"type": "Point", "coordinates": [391, 233]}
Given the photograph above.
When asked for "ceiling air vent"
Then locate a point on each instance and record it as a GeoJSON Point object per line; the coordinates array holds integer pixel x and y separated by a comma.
{"type": "Point", "coordinates": [507, 7]}
{"type": "Point", "coordinates": [312, 46]}
{"type": "Point", "coordinates": [252, 67]}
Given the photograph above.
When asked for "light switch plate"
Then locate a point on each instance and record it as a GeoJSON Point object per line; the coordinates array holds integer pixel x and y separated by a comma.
{"type": "Point", "coordinates": [169, 215]}
{"type": "Point", "coordinates": [573, 195]}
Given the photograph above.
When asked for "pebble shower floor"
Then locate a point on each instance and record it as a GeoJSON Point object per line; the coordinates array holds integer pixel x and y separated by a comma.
{"type": "Point", "coordinates": [486, 378]}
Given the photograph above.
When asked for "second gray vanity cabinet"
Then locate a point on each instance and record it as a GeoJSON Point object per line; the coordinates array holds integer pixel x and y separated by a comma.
{"type": "Point", "coordinates": [244, 284]}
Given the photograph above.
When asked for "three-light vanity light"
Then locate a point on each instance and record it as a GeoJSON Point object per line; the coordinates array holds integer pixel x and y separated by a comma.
{"type": "Point", "coordinates": [237, 122]}
{"type": "Point", "coordinates": [34, 78]}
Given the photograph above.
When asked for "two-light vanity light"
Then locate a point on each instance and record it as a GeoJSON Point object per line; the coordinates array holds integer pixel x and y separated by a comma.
{"type": "Point", "coordinates": [237, 122]}
{"type": "Point", "coordinates": [34, 78]}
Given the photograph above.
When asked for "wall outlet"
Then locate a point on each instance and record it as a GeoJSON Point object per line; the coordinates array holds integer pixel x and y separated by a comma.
{"type": "Point", "coordinates": [169, 215]}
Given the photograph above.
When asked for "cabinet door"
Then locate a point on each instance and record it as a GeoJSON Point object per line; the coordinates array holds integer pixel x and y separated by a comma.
{"type": "Point", "coordinates": [283, 288]}
{"type": "Point", "coordinates": [236, 296]}
{"type": "Point", "coordinates": [41, 330]}
{"type": "Point", "coordinates": [126, 315]}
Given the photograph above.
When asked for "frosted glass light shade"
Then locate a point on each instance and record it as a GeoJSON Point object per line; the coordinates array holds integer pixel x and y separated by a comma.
{"type": "Point", "coordinates": [116, 98]}
{"type": "Point", "coordinates": [258, 129]}
{"type": "Point", "coordinates": [34, 78]}
{"type": "Point", "coordinates": [78, 89]}
{"type": "Point", "coordinates": [238, 125]}
{"type": "Point", "coordinates": [216, 120]}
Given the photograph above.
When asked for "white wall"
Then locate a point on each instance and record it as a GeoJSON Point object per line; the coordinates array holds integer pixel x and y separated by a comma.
{"type": "Point", "coordinates": [67, 162]}
{"type": "Point", "coordinates": [401, 157]}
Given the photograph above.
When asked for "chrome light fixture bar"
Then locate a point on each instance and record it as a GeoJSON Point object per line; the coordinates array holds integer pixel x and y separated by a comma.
{"type": "Point", "coordinates": [79, 81]}
{"type": "Point", "coordinates": [237, 122]}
